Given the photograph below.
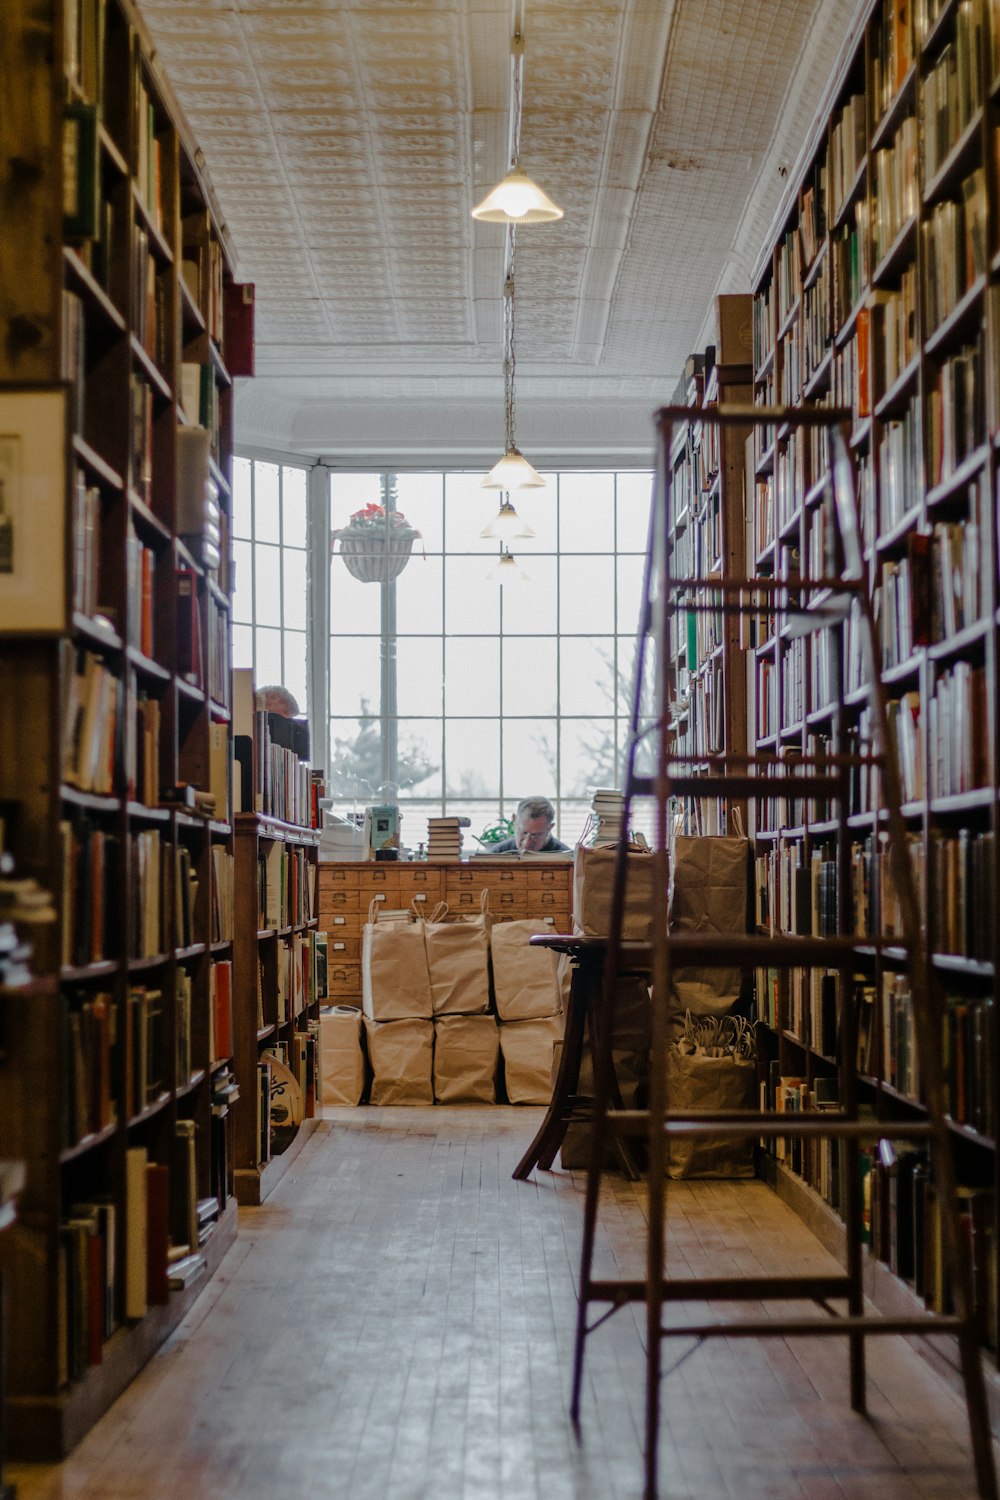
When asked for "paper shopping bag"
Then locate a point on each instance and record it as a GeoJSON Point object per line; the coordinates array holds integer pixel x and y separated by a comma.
{"type": "Point", "coordinates": [458, 962]}
{"type": "Point", "coordinates": [527, 980]}
{"type": "Point", "coordinates": [709, 878]}
{"type": "Point", "coordinates": [466, 1049]}
{"type": "Point", "coordinates": [593, 884]}
{"type": "Point", "coordinates": [395, 984]}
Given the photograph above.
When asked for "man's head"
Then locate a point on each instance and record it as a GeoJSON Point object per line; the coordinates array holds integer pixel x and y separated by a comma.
{"type": "Point", "coordinates": [277, 700]}
{"type": "Point", "coordinates": [533, 822]}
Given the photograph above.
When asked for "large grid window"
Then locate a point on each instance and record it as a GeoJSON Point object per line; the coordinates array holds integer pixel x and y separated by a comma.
{"type": "Point", "coordinates": [452, 695]}
{"type": "Point", "coordinates": [270, 625]}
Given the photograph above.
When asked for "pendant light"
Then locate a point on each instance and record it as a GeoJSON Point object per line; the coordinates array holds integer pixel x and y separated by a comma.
{"type": "Point", "coordinates": [512, 471]}
{"type": "Point", "coordinates": [507, 570]}
{"type": "Point", "coordinates": [517, 199]}
{"type": "Point", "coordinates": [507, 525]}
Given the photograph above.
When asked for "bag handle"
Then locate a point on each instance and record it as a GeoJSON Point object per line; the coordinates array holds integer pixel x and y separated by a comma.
{"type": "Point", "coordinates": [373, 907]}
{"type": "Point", "coordinates": [736, 818]}
{"type": "Point", "coordinates": [484, 901]}
{"type": "Point", "coordinates": [439, 913]}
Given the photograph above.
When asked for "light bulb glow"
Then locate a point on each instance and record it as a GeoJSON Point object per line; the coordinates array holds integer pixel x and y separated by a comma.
{"type": "Point", "coordinates": [506, 571]}
{"type": "Point", "coordinates": [513, 472]}
{"type": "Point", "coordinates": [517, 200]}
{"type": "Point", "coordinates": [507, 525]}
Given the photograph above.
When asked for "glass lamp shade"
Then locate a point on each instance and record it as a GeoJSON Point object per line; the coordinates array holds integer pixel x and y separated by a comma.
{"type": "Point", "coordinates": [506, 571]}
{"type": "Point", "coordinates": [507, 525]}
{"type": "Point", "coordinates": [517, 200]}
{"type": "Point", "coordinates": [513, 472]}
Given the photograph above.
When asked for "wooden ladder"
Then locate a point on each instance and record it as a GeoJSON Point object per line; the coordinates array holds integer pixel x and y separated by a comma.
{"type": "Point", "coordinates": [800, 606]}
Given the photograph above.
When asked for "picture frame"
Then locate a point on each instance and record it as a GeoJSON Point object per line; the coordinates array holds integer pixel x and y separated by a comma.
{"type": "Point", "coordinates": [33, 463]}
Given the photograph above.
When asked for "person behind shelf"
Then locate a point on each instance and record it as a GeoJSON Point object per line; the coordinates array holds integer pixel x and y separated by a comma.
{"type": "Point", "coordinates": [275, 699]}
{"type": "Point", "coordinates": [533, 834]}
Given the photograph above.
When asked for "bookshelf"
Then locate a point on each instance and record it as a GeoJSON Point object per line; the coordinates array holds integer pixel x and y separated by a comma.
{"type": "Point", "coordinates": [114, 628]}
{"type": "Point", "coordinates": [877, 290]}
{"type": "Point", "coordinates": [707, 535]}
{"type": "Point", "coordinates": [279, 956]}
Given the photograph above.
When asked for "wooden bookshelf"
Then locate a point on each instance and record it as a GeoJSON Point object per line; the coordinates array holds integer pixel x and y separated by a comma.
{"type": "Point", "coordinates": [707, 537]}
{"type": "Point", "coordinates": [279, 956]}
{"type": "Point", "coordinates": [877, 290]}
{"type": "Point", "coordinates": [112, 284]}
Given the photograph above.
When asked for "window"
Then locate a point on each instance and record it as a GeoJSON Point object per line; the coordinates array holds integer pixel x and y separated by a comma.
{"type": "Point", "coordinates": [453, 695]}
{"type": "Point", "coordinates": [270, 600]}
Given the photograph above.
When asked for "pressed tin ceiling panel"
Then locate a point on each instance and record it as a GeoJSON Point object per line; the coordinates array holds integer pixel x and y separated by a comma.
{"type": "Point", "coordinates": [347, 140]}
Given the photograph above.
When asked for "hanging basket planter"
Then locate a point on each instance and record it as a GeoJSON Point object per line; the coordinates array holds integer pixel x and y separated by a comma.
{"type": "Point", "coordinates": [373, 551]}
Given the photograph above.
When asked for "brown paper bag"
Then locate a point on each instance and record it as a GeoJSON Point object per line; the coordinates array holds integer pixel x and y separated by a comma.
{"type": "Point", "coordinates": [401, 1054]}
{"type": "Point", "coordinates": [458, 961]}
{"type": "Point", "coordinates": [342, 1059]}
{"type": "Point", "coordinates": [631, 1065]}
{"type": "Point", "coordinates": [395, 985]}
{"type": "Point", "coordinates": [593, 882]}
{"type": "Point", "coordinates": [527, 1058]}
{"type": "Point", "coordinates": [710, 1084]}
{"type": "Point", "coordinates": [466, 1049]}
{"type": "Point", "coordinates": [527, 981]}
{"type": "Point", "coordinates": [708, 894]}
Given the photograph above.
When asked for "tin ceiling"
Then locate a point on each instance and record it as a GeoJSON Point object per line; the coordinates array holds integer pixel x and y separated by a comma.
{"type": "Point", "coordinates": [347, 140]}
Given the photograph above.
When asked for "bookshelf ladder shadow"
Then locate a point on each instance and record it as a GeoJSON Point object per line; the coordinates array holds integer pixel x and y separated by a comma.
{"type": "Point", "coordinates": [795, 605]}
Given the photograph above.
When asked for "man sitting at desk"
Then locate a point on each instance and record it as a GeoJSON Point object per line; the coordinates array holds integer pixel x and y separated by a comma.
{"type": "Point", "coordinates": [532, 830]}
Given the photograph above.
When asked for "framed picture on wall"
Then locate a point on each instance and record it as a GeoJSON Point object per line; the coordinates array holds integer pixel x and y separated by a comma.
{"type": "Point", "coordinates": [33, 509]}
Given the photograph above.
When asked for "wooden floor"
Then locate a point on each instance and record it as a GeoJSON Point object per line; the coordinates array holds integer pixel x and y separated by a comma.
{"type": "Point", "coordinates": [396, 1323]}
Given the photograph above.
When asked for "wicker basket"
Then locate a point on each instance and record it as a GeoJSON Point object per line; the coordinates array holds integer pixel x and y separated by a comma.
{"type": "Point", "coordinates": [374, 555]}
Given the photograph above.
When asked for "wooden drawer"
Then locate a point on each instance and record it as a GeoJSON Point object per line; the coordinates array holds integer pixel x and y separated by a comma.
{"type": "Point", "coordinates": [554, 878]}
{"type": "Point", "coordinates": [379, 876]}
{"type": "Point", "coordinates": [343, 949]}
{"type": "Point", "coordinates": [343, 979]}
{"type": "Point", "coordinates": [544, 902]}
{"type": "Point", "coordinates": [479, 877]}
{"type": "Point", "coordinates": [415, 880]}
{"type": "Point", "coordinates": [338, 877]}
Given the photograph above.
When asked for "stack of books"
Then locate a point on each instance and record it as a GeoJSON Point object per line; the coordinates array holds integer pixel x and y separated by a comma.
{"type": "Point", "coordinates": [608, 807]}
{"type": "Point", "coordinates": [444, 838]}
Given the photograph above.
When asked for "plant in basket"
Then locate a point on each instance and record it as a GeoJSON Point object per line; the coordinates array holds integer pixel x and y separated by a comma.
{"type": "Point", "coordinates": [376, 544]}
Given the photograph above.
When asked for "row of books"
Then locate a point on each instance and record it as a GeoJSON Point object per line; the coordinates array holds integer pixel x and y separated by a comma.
{"type": "Point", "coordinates": [286, 880]}
{"type": "Point", "coordinates": [955, 249]}
{"type": "Point", "coordinates": [953, 91]}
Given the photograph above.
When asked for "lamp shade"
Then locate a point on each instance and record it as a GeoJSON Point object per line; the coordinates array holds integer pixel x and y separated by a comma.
{"type": "Point", "coordinates": [517, 200]}
{"type": "Point", "coordinates": [506, 571]}
{"type": "Point", "coordinates": [507, 525]}
{"type": "Point", "coordinates": [513, 472]}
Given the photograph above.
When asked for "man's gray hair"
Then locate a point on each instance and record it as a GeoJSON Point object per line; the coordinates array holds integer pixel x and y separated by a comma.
{"type": "Point", "coordinates": [278, 700]}
{"type": "Point", "coordinates": [536, 807]}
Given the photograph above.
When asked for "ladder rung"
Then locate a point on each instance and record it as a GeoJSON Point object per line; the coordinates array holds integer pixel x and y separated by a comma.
{"type": "Point", "coordinates": [754, 1328]}
{"type": "Point", "coordinates": [761, 787]}
{"type": "Point", "coordinates": [723, 1289]}
{"type": "Point", "coordinates": [727, 950]}
{"type": "Point", "coordinates": [637, 1122]}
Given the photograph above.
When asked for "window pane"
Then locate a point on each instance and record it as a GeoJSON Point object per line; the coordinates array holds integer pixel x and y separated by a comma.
{"type": "Point", "coordinates": [420, 497]}
{"type": "Point", "coordinates": [294, 677]}
{"type": "Point", "coordinates": [472, 673]}
{"type": "Point", "coordinates": [354, 606]}
{"type": "Point", "coordinates": [350, 491]}
{"type": "Point", "coordinates": [468, 508]}
{"type": "Point", "coordinates": [531, 610]}
{"type": "Point", "coordinates": [529, 675]}
{"type": "Point", "coordinates": [586, 595]}
{"type": "Point", "coordinates": [267, 644]}
{"type": "Point", "coordinates": [295, 589]}
{"type": "Point", "coordinates": [626, 673]}
{"type": "Point", "coordinates": [586, 676]}
{"type": "Point", "coordinates": [529, 759]}
{"type": "Point", "coordinates": [634, 495]}
{"type": "Point", "coordinates": [293, 507]}
{"type": "Point", "coordinates": [355, 759]}
{"type": "Point", "coordinates": [242, 646]}
{"type": "Point", "coordinates": [267, 585]}
{"type": "Point", "coordinates": [420, 757]}
{"type": "Point", "coordinates": [573, 818]}
{"type": "Point", "coordinates": [418, 675]}
{"type": "Point", "coordinates": [541, 511]}
{"type": "Point", "coordinates": [266, 507]}
{"type": "Point", "coordinates": [418, 594]}
{"type": "Point", "coordinates": [470, 603]}
{"type": "Point", "coordinates": [481, 815]}
{"type": "Point", "coordinates": [243, 592]}
{"type": "Point", "coordinates": [242, 469]}
{"type": "Point", "coordinates": [630, 570]}
{"type": "Point", "coordinates": [354, 676]}
{"type": "Point", "coordinates": [588, 757]}
{"type": "Point", "coordinates": [587, 513]}
{"type": "Point", "coordinates": [472, 749]}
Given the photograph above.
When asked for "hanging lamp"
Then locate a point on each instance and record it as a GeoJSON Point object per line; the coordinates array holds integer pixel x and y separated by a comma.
{"type": "Point", "coordinates": [507, 525]}
{"type": "Point", "coordinates": [516, 199]}
{"type": "Point", "coordinates": [512, 471]}
{"type": "Point", "coordinates": [507, 570]}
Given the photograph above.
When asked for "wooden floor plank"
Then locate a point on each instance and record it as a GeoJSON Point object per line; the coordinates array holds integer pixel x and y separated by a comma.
{"type": "Point", "coordinates": [396, 1322]}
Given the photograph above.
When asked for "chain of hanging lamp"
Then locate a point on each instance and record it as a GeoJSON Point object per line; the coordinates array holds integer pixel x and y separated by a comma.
{"type": "Point", "coordinates": [509, 348]}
